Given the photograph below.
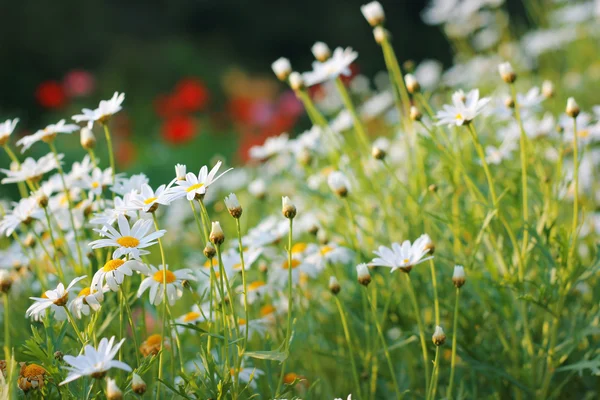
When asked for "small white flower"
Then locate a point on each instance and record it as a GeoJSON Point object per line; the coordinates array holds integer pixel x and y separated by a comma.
{"type": "Point", "coordinates": [128, 240]}
{"type": "Point", "coordinates": [296, 81]}
{"type": "Point", "coordinates": [114, 271]}
{"type": "Point", "coordinates": [105, 110]}
{"type": "Point", "coordinates": [195, 315]}
{"type": "Point", "coordinates": [112, 390]}
{"type": "Point", "coordinates": [6, 129]}
{"type": "Point", "coordinates": [403, 256]}
{"type": "Point", "coordinates": [195, 186]}
{"type": "Point", "coordinates": [321, 51]}
{"type": "Point", "coordinates": [338, 64]}
{"type": "Point", "coordinates": [87, 138]}
{"type": "Point", "coordinates": [231, 201]}
{"type": "Point", "coordinates": [274, 145]}
{"type": "Point", "coordinates": [97, 181]}
{"type": "Point", "coordinates": [87, 299]}
{"type": "Point", "coordinates": [174, 281]}
{"type": "Point", "coordinates": [55, 297]}
{"type": "Point", "coordinates": [95, 362]}
{"type": "Point", "coordinates": [507, 73]}
{"type": "Point", "coordinates": [31, 169]}
{"type": "Point", "coordinates": [338, 183]}
{"type": "Point", "coordinates": [133, 183]}
{"type": "Point", "coordinates": [23, 212]}
{"type": "Point", "coordinates": [463, 109]}
{"type": "Point", "coordinates": [458, 277]}
{"type": "Point", "coordinates": [364, 277]}
{"type": "Point", "coordinates": [439, 337]}
{"type": "Point", "coordinates": [282, 68]}
{"type": "Point", "coordinates": [572, 109]}
{"type": "Point", "coordinates": [47, 134]}
{"type": "Point", "coordinates": [180, 171]}
{"type": "Point", "coordinates": [373, 13]}
{"type": "Point", "coordinates": [147, 200]}
{"type": "Point", "coordinates": [257, 188]}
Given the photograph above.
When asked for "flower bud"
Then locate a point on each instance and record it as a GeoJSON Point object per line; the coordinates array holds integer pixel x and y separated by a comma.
{"type": "Point", "coordinates": [507, 73]}
{"type": "Point", "coordinates": [321, 51]}
{"type": "Point", "coordinates": [547, 89]}
{"type": "Point", "coordinates": [180, 171]}
{"type": "Point", "coordinates": [380, 148]}
{"type": "Point", "coordinates": [87, 138]}
{"type": "Point", "coordinates": [258, 188]}
{"type": "Point", "coordinates": [29, 240]}
{"type": "Point", "coordinates": [296, 81]}
{"type": "Point", "coordinates": [373, 13]}
{"type": "Point", "coordinates": [415, 114]}
{"type": "Point", "coordinates": [428, 244]}
{"type": "Point", "coordinates": [138, 385]}
{"type": "Point", "coordinates": [216, 234]}
{"type": "Point", "coordinates": [380, 34]}
{"type": "Point", "coordinates": [314, 229]}
{"type": "Point", "coordinates": [573, 109]}
{"type": "Point", "coordinates": [6, 281]}
{"type": "Point", "coordinates": [282, 68]}
{"type": "Point", "coordinates": [439, 337]}
{"type": "Point", "coordinates": [433, 188]}
{"type": "Point", "coordinates": [287, 208]}
{"type": "Point", "coordinates": [509, 102]}
{"type": "Point", "coordinates": [334, 285]}
{"type": "Point", "coordinates": [338, 183]}
{"type": "Point", "coordinates": [42, 199]}
{"type": "Point", "coordinates": [364, 277]}
{"type": "Point", "coordinates": [233, 205]}
{"type": "Point", "coordinates": [112, 390]}
{"type": "Point", "coordinates": [412, 85]}
{"type": "Point", "coordinates": [322, 237]}
{"type": "Point", "coordinates": [209, 251]}
{"type": "Point", "coordinates": [458, 278]}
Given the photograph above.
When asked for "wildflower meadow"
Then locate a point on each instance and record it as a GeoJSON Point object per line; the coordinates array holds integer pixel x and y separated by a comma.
{"type": "Point", "coordinates": [433, 235]}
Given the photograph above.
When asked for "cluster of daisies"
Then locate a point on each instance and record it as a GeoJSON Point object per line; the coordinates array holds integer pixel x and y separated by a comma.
{"type": "Point", "coordinates": [304, 267]}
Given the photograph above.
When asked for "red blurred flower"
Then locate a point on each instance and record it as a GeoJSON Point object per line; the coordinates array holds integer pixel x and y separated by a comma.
{"type": "Point", "coordinates": [179, 129]}
{"type": "Point", "coordinates": [191, 95]}
{"type": "Point", "coordinates": [50, 94]}
{"type": "Point", "coordinates": [241, 109]}
{"type": "Point", "coordinates": [78, 83]}
{"type": "Point", "coordinates": [126, 153]}
{"type": "Point", "coordinates": [166, 106]}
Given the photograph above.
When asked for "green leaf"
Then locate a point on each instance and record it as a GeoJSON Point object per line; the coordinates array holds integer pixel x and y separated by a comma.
{"type": "Point", "coordinates": [268, 355]}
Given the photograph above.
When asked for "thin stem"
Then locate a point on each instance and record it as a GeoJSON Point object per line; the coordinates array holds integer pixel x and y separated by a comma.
{"type": "Point", "coordinates": [354, 233]}
{"type": "Point", "coordinates": [165, 300]}
{"type": "Point", "coordinates": [433, 383]}
{"type": "Point", "coordinates": [61, 274]}
{"type": "Point", "coordinates": [75, 328]}
{"type": "Point", "coordinates": [484, 163]}
{"type": "Point", "coordinates": [244, 284]}
{"type": "Point", "coordinates": [130, 319]}
{"type": "Point", "coordinates": [436, 303]}
{"type": "Point", "coordinates": [111, 155]}
{"type": "Point", "coordinates": [453, 360]}
{"type": "Point", "coordinates": [385, 348]}
{"type": "Point", "coordinates": [313, 113]}
{"type": "Point", "coordinates": [288, 334]}
{"type": "Point", "coordinates": [396, 73]}
{"type": "Point", "coordinates": [6, 327]}
{"type": "Point", "coordinates": [358, 125]}
{"type": "Point", "coordinates": [413, 297]}
{"type": "Point", "coordinates": [349, 342]}
{"type": "Point", "coordinates": [576, 188]}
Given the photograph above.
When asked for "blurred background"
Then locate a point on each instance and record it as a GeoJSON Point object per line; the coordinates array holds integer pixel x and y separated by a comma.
{"type": "Point", "coordinates": [196, 73]}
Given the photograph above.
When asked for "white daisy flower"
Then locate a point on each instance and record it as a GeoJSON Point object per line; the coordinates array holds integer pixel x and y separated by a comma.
{"type": "Point", "coordinates": [272, 146]}
{"type": "Point", "coordinates": [194, 316]}
{"type": "Point", "coordinates": [133, 183]}
{"type": "Point", "coordinates": [255, 327]}
{"type": "Point", "coordinates": [195, 186]}
{"type": "Point", "coordinates": [338, 64]}
{"type": "Point", "coordinates": [110, 215]}
{"type": "Point", "coordinates": [56, 297]}
{"type": "Point", "coordinates": [114, 272]}
{"type": "Point", "coordinates": [105, 110]}
{"type": "Point", "coordinates": [97, 181]}
{"type": "Point", "coordinates": [95, 362]}
{"type": "Point", "coordinates": [31, 169]}
{"type": "Point", "coordinates": [401, 257]}
{"type": "Point", "coordinates": [147, 200]}
{"type": "Point", "coordinates": [301, 269]}
{"type": "Point", "coordinates": [87, 299]}
{"type": "Point", "coordinates": [174, 282]}
{"type": "Point", "coordinates": [463, 109]}
{"type": "Point", "coordinates": [47, 134]}
{"type": "Point", "coordinates": [248, 375]}
{"type": "Point", "coordinates": [23, 212]}
{"type": "Point", "coordinates": [255, 291]}
{"type": "Point", "coordinates": [129, 240]}
{"type": "Point", "coordinates": [329, 253]}
{"type": "Point", "coordinates": [6, 129]}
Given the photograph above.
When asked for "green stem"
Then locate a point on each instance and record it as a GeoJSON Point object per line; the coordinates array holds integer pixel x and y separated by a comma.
{"type": "Point", "coordinates": [453, 361]}
{"type": "Point", "coordinates": [74, 325]}
{"type": "Point", "coordinates": [6, 328]}
{"type": "Point", "coordinates": [349, 342]}
{"type": "Point", "coordinates": [130, 319]}
{"type": "Point", "coordinates": [61, 274]}
{"type": "Point", "coordinates": [358, 125]}
{"type": "Point", "coordinates": [165, 304]}
{"type": "Point", "coordinates": [433, 383]}
{"type": "Point", "coordinates": [396, 73]}
{"type": "Point", "coordinates": [436, 302]}
{"type": "Point", "coordinates": [385, 348]}
{"type": "Point", "coordinates": [111, 155]}
{"type": "Point", "coordinates": [486, 168]}
{"type": "Point", "coordinates": [413, 297]}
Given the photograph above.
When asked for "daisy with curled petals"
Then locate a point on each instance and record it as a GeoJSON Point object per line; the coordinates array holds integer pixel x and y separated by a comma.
{"type": "Point", "coordinates": [105, 110]}
{"type": "Point", "coordinates": [403, 256]}
{"type": "Point", "coordinates": [95, 362]}
{"type": "Point", "coordinates": [129, 240]}
{"type": "Point", "coordinates": [32, 170]}
{"type": "Point", "coordinates": [56, 297]}
{"type": "Point", "coordinates": [47, 134]}
{"type": "Point", "coordinates": [147, 200]}
{"type": "Point", "coordinates": [114, 272]}
{"type": "Point", "coordinates": [87, 299]}
{"type": "Point", "coordinates": [6, 129]}
{"type": "Point", "coordinates": [174, 281]}
{"type": "Point", "coordinates": [194, 187]}
{"type": "Point", "coordinates": [338, 64]}
{"type": "Point", "coordinates": [23, 212]}
{"type": "Point", "coordinates": [463, 110]}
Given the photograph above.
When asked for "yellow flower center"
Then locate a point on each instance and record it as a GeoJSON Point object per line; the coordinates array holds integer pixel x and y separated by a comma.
{"type": "Point", "coordinates": [241, 321]}
{"type": "Point", "coordinates": [237, 266]}
{"type": "Point", "coordinates": [84, 292]}
{"type": "Point", "coordinates": [256, 285]}
{"type": "Point", "coordinates": [194, 187]}
{"type": "Point", "coordinates": [267, 310]}
{"type": "Point", "coordinates": [95, 185]}
{"type": "Point", "coordinates": [208, 264]}
{"type": "Point", "coordinates": [168, 275]}
{"type": "Point", "coordinates": [128, 241]}
{"type": "Point", "coordinates": [290, 377]}
{"type": "Point", "coordinates": [286, 265]}
{"type": "Point", "coordinates": [154, 340]}
{"type": "Point", "coordinates": [112, 265]}
{"type": "Point", "coordinates": [191, 316]}
{"type": "Point", "coordinates": [406, 261]}
{"type": "Point", "coordinates": [32, 370]}
{"type": "Point", "coordinates": [299, 248]}
{"type": "Point", "coordinates": [150, 200]}
{"type": "Point", "coordinates": [326, 249]}
{"type": "Point", "coordinates": [458, 116]}
{"type": "Point", "coordinates": [583, 133]}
